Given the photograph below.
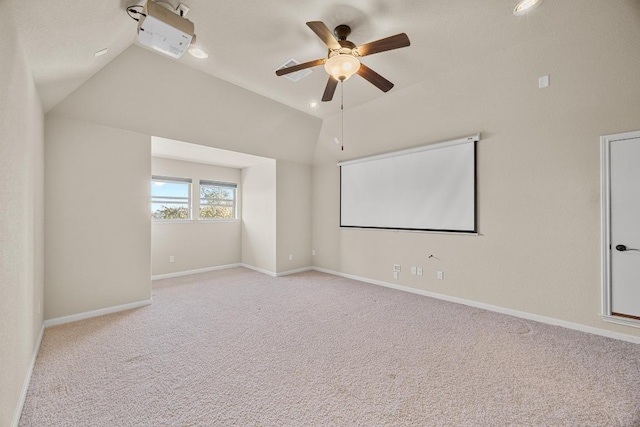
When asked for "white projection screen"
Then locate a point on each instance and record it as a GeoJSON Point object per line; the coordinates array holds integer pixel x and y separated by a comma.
{"type": "Point", "coordinates": [430, 188]}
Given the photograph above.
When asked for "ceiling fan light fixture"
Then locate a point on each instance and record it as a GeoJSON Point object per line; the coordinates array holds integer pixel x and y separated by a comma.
{"type": "Point", "coordinates": [342, 66]}
{"type": "Point", "coordinates": [526, 6]}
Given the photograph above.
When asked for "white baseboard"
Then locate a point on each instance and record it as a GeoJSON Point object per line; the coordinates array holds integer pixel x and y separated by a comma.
{"type": "Point", "coordinates": [27, 380]}
{"type": "Point", "coordinates": [259, 270]}
{"type": "Point", "coordinates": [95, 313]}
{"type": "Point", "coordinates": [297, 270]}
{"type": "Point", "coordinates": [273, 273]}
{"type": "Point", "coordinates": [189, 272]}
{"type": "Point", "coordinates": [489, 307]}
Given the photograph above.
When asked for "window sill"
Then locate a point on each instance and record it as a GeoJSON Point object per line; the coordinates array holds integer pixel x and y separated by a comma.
{"type": "Point", "coordinates": [217, 220]}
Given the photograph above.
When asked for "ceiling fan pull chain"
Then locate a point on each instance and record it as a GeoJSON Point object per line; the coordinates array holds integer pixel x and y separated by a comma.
{"type": "Point", "coordinates": [342, 112]}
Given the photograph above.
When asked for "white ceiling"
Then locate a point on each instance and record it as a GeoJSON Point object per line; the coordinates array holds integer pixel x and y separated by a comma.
{"type": "Point", "coordinates": [248, 39]}
{"type": "Point", "coordinates": [178, 150]}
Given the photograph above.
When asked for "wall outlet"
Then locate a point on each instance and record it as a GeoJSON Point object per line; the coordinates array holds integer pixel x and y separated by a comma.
{"type": "Point", "coordinates": [396, 275]}
{"type": "Point", "coordinates": [290, 257]}
{"type": "Point", "coordinates": [313, 252]}
{"type": "Point", "coordinates": [440, 275]}
{"type": "Point", "coordinates": [171, 258]}
{"type": "Point", "coordinates": [396, 268]}
{"type": "Point", "coordinates": [413, 271]}
{"type": "Point", "coordinates": [419, 272]}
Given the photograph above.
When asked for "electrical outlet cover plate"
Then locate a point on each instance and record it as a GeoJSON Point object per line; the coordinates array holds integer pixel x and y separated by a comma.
{"type": "Point", "coordinates": [396, 268]}
{"type": "Point", "coordinates": [543, 82]}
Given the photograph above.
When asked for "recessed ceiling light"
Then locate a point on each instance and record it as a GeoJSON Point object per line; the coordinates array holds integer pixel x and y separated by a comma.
{"type": "Point", "coordinates": [101, 52]}
{"type": "Point", "coordinates": [196, 52]}
{"type": "Point", "coordinates": [526, 6]}
{"type": "Point", "coordinates": [313, 104]}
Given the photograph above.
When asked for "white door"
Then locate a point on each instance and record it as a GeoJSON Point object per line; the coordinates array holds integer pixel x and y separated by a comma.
{"type": "Point", "coordinates": [624, 205]}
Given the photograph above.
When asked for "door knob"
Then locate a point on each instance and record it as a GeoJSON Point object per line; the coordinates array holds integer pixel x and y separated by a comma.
{"type": "Point", "coordinates": [623, 248]}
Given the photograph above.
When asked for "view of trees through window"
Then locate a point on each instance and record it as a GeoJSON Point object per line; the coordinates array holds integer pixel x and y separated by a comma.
{"type": "Point", "coordinates": [217, 201]}
{"type": "Point", "coordinates": [171, 212]}
{"type": "Point", "coordinates": [171, 199]}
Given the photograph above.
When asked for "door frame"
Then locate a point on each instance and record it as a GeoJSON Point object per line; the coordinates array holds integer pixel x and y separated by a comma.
{"type": "Point", "coordinates": [605, 202]}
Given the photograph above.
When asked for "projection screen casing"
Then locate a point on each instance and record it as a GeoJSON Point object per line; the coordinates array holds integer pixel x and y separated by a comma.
{"type": "Point", "coordinates": [429, 188]}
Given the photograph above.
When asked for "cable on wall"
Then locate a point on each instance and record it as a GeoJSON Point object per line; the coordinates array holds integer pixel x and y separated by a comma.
{"type": "Point", "coordinates": [132, 9]}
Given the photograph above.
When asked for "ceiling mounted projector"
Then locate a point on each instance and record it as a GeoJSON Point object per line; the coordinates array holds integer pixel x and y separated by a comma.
{"type": "Point", "coordinates": [165, 31]}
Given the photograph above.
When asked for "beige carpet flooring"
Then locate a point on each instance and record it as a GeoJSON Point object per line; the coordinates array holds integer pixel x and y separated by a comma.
{"type": "Point", "coordinates": [238, 348]}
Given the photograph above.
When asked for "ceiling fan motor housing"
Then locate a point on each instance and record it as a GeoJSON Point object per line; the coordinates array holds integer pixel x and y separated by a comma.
{"type": "Point", "coordinates": [342, 31]}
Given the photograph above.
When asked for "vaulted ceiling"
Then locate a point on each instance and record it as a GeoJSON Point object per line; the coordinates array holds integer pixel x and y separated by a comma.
{"type": "Point", "coordinates": [248, 39]}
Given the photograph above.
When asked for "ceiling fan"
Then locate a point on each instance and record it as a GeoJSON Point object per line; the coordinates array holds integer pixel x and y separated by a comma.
{"type": "Point", "coordinates": [342, 61]}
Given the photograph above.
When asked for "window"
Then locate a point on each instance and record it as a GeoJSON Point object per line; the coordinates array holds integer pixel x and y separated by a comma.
{"type": "Point", "coordinates": [217, 200]}
{"type": "Point", "coordinates": [170, 198]}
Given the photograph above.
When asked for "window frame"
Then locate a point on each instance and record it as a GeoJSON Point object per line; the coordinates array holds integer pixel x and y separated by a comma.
{"type": "Point", "coordinates": [225, 185]}
{"type": "Point", "coordinates": [189, 198]}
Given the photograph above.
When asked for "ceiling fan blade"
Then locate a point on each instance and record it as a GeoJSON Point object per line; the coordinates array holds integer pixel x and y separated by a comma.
{"type": "Point", "coordinates": [324, 33]}
{"type": "Point", "coordinates": [330, 89]}
{"type": "Point", "coordinates": [294, 68]}
{"type": "Point", "coordinates": [382, 45]}
{"type": "Point", "coordinates": [374, 78]}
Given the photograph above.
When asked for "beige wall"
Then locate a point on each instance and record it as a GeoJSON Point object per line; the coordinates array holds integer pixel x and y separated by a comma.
{"type": "Point", "coordinates": [259, 216]}
{"type": "Point", "coordinates": [293, 207]}
{"type": "Point", "coordinates": [285, 198]}
{"type": "Point", "coordinates": [21, 213]}
{"type": "Point", "coordinates": [538, 170]}
{"type": "Point", "coordinates": [170, 100]}
{"type": "Point", "coordinates": [195, 244]}
{"type": "Point", "coordinates": [213, 113]}
{"type": "Point", "coordinates": [97, 225]}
